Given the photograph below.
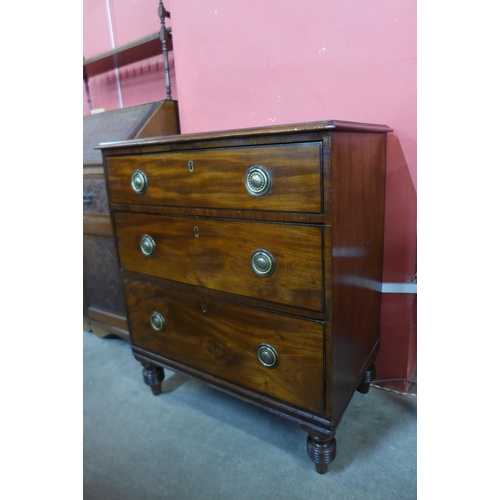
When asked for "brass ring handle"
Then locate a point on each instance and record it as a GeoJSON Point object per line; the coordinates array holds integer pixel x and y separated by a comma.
{"type": "Point", "coordinates": [262, 262]}
{"type": "Point", "coordinates": [267, 355]}
{"type": "Point", "coordinates": [139, 181]}
{"type": "Point", "coordinates": [148, 246]}
{"type": "Point", "coordinates": [157, 321]}
{"type": "Point", "coordinates": [257, 180]}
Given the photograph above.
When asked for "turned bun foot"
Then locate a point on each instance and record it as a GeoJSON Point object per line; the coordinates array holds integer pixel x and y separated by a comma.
{"type": "Point", "coordinates": [321, 450]}
{"type": "Point", "coordinates": [153, 376]}
{"type": "Point", "coordinates": [368, 378]}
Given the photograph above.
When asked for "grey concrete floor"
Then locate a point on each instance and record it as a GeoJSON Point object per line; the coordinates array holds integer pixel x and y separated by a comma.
{"type": "Point", "coordinates": [194, 442]}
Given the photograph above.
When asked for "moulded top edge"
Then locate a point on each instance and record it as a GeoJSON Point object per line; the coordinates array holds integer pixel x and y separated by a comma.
{"type": "Point", "coordinates": [318, 126]}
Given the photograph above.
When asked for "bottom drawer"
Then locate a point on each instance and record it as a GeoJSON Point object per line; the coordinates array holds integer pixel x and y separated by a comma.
{"type": "Point", "coordinates": [277, 355]}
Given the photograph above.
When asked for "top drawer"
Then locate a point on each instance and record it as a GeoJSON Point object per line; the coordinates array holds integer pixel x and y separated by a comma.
{"type": "Point", "coordinates": [284, 178]}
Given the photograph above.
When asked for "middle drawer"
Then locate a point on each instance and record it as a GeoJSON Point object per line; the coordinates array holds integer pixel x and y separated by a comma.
{"type": "Point", "coordinates": [276, 262]}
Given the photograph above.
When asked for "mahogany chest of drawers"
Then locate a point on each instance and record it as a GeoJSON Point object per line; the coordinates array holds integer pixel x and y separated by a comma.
{"type": "Point", "coordinates": [252, 261]}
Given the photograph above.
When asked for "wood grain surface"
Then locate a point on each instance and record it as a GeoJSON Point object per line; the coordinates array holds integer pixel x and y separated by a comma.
{"type": "Point", "coordinates": [217, 179]}
{"type": "Point", "coordinates": [219, 258]}
{"type": "Point", "coordinates": [222, 341]}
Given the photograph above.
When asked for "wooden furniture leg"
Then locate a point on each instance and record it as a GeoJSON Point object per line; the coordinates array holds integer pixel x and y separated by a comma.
{"type": "Point", "coordinates": [153, 376]}
{"type": "Point", "coordinates": [368, 378]}
{"type": "Point", "coordinates": [321, 449]}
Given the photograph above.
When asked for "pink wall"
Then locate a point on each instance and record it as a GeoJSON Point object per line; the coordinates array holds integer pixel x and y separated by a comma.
{"type": "Point", "coordinates": [266, 62]}
{"type": "Point", "coordinates": [121, 23]}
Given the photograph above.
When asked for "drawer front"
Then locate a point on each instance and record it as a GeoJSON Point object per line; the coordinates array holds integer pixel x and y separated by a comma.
{"type": "Point", "coordinates": [219, 254]}
{"type": "Point", "coordinates": [222, 339]}
{"type": "Point", "coordinates": [216, 178]}
{"type": "Point", "coordinates": [95, 198]}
